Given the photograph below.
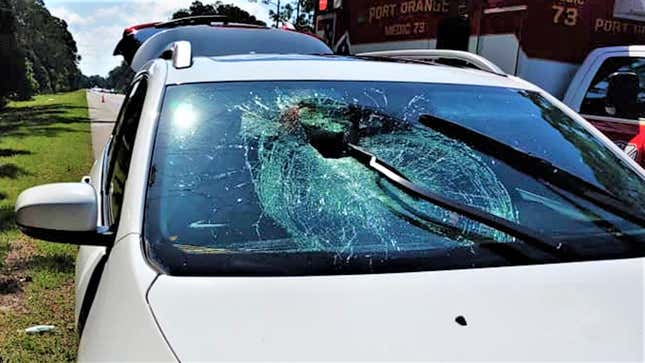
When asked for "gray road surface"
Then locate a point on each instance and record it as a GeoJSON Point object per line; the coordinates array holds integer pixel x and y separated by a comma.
{"type": "Point", "coordinates": [102, 116]}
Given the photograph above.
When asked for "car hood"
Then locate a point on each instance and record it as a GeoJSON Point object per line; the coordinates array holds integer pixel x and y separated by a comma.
{"type": "Point", "coordinates": [570, 312]}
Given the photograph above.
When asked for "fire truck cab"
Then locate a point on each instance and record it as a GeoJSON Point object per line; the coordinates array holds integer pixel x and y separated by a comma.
{"type": "Point", "coordinates": [584, 52]}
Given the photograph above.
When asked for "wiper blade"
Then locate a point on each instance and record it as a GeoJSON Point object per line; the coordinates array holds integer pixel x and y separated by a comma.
{"type": "Point", "coordinates": [511, 252]}
{"type": "Point", "coordinates": [532, 165]}
{"type": "Point", "coordinates": [527, 235]}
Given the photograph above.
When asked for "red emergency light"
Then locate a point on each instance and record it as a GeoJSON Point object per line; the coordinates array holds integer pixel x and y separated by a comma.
{"type": "Point", "coordinates": [322, 5]}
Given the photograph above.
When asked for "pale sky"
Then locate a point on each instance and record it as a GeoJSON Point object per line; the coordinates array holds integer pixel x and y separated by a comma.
{"type": "Point", "coordinates": [97, 26]}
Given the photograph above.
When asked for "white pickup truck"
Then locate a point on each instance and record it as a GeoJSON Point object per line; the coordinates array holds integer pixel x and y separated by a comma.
{"type": "Point", "coordinates": [608, 91]}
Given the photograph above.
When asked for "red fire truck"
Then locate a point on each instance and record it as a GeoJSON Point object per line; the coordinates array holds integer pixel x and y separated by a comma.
{"type": "Point", "coordinates": [583, 51]}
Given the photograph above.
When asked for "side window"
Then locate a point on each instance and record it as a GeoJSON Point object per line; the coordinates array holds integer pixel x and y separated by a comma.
{"type": "Point", "coordinates": [121, 150]}
{"type": "Point", "coordinates": [596, 101]}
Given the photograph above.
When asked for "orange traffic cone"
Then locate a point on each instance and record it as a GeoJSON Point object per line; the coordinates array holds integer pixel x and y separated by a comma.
{"type": "Point", "coordinates": [102, 98]}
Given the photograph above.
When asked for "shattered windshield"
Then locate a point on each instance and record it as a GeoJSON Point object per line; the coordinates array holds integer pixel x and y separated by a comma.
{"type": "Point", "coordinates": [251, 178]}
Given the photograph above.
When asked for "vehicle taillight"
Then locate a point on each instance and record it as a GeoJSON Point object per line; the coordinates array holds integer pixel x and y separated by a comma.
{"type": "Point", "coordinates": [133, 29]}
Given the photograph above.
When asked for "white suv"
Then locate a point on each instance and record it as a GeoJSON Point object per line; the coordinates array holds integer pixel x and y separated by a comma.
{"type": "Point", "coordinates": [301, 207]}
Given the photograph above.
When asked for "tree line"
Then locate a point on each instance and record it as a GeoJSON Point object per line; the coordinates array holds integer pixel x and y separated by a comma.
{"type": "Point", "coordinates": [118, 79]}
{"type": "Point", "coordinates": [37, 52]}
{"type": "Point", "coordinates": [300, 13]}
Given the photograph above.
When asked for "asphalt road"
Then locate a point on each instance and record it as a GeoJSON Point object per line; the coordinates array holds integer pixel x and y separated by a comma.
{"type": "Point", "coordinates": [102, 116]}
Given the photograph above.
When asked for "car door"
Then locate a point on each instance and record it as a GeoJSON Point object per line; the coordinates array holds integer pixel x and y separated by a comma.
{"type": "Point", "coordinates": [108, 178]}
{"type": "Point", "coordinates": [625, 128]}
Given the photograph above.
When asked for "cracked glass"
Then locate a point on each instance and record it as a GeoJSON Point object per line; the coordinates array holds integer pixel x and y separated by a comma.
{"type": "Point", "coordinates": [250, 178]}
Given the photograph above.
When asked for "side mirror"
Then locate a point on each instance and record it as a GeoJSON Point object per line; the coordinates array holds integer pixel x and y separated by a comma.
{"type": "Point", "coordinates": [62, 212]}
{"type": "Point", "coordinates": [622, 94]}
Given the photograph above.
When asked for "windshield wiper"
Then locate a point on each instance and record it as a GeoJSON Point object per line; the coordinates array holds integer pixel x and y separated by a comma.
{"type": "Point", "coordinates": [337, 145]}
{"type": "Point", "coordinates": [516, 230]}
{"type": "Point", "coordinates": [538, 168]}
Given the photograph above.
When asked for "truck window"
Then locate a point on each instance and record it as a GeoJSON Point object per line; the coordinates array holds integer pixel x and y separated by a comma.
{"type": "Point", "coordinates": [595, 101]}
{"type": "Point", "coordinates": [630, 9]}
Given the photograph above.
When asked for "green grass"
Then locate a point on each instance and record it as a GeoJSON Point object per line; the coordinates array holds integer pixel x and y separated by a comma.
{"type": "Point", "coordinates": [41, 141]}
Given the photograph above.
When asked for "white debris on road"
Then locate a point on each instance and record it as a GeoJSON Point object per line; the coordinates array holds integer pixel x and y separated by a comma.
{"type": "Point", "coordinates": [40, 329]}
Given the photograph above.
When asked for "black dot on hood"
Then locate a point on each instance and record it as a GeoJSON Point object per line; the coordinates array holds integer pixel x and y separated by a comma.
{"type": "Point", "coordinates": [461, 320]}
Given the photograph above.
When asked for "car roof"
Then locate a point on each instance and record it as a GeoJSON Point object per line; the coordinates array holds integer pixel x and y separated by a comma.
{"type": "Point", "coordinates": [228, 39]}
{"type": "Point", "coordinates": [293, 67]}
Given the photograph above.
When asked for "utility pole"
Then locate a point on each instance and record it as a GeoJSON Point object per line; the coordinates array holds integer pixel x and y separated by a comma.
{"type": "Point", "coordinates": [277, 13]}
{"type": "Point", "coordinates": [297, 13]}
{"type": "Point", "coordinates": [277, 20]}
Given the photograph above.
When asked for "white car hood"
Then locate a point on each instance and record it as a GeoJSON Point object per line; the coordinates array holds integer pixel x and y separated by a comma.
{"type": "Point", "coordinates": [564, 312]}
